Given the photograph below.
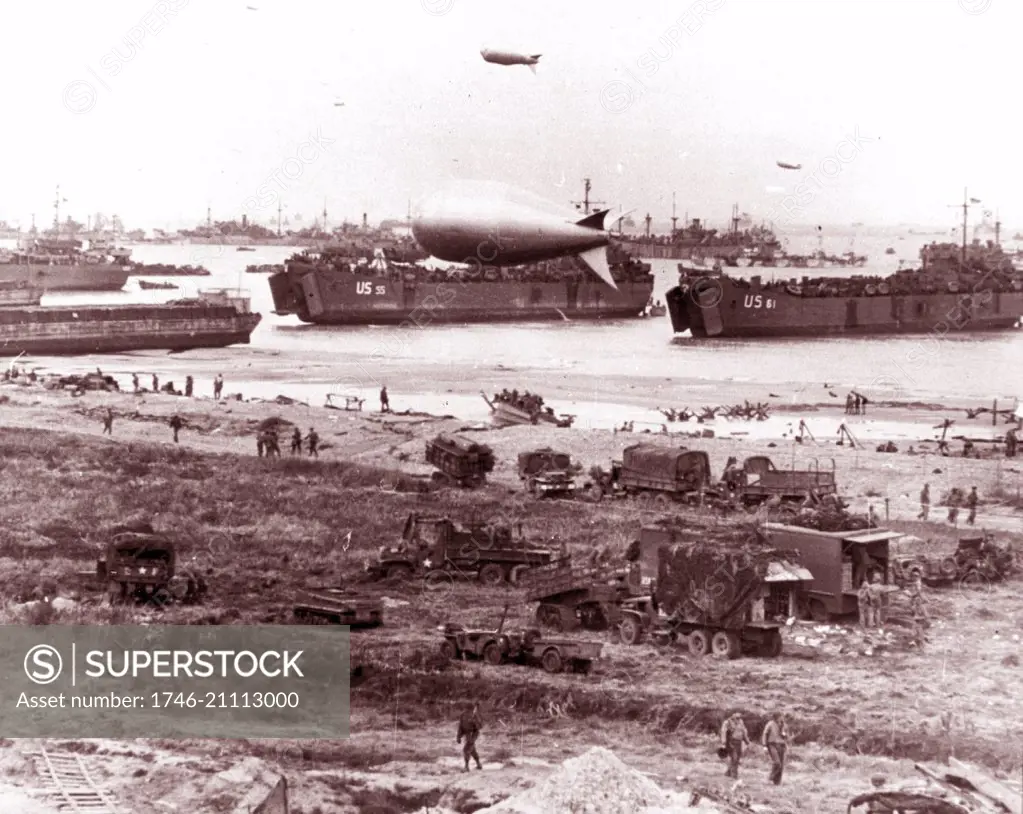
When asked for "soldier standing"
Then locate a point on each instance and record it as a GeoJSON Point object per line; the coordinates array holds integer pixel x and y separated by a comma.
{"type": "Point", "coordinates": [314, 441]}
{"type": "Point", "coordinates": [775, 739]}
{"type": "Point", "coordinates": [863, 603]}
{"type": "Point", "coordinates": [385, 402]}
{"type": "Point", "coordinates": [469, 726]}
{"type": "Point", "coordinates": [189, 384]}
{"type": "Point", "coordinates": [273, 448]}
{"type": "Point", "coordinates": [733, 738]}
{"type": "Point", "coordinates": [971, 503]}
{"type": "Point", "coordinates": [176, 424]}
{"type": "Point", "coordinates": [260, 443]}
{"type": "Point", "coordinates": [156, 384]}
{"type": "Point", "coordinates": [296, 442]}
{"type": "Point", "coordinates": [218, 386]}
{"type": "Point", "coordinates": [1010, 443]}
{"type": "Point", "coordinates": [918, 608]}
{"type": "Point", "coordinates": [108, 422]}
{"type": "Point", "coordinates": [135, 382]}
{"type": "Point", "coordinates": [925, 502]}
{"type": "Point", "coordinates": [875, 593]}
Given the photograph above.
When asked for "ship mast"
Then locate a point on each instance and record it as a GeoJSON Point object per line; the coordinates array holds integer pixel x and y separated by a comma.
{"type": "Point", "coordinates": [56, 210]}
{"type": "Point", "coordinates": [674, 217]}
{"type": "Point", "coordinates": [586, 202]}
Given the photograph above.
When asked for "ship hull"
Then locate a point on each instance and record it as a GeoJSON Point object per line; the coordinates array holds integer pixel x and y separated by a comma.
{"type": "Point", "coordinates": [118, 329]}
{"type": "Point", "coordinates": [350, 299]}
{"type": "Point", "coordinates": [77, 277]}
{"type": "Point", "coordinates": [717, 307]}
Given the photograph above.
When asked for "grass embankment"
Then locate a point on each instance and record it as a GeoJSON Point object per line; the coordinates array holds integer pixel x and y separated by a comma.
{"type": "Point", "coordinates": [263, 529]}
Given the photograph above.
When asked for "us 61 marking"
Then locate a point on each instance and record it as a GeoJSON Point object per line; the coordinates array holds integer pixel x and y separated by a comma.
{"type": "Point", "coordinates": [758, 301]}
{"type": "Point", "coordinates": [366, 287]}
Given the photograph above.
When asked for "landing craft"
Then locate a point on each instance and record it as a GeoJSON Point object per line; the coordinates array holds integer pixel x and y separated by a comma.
{"type": "Point", "coordinates": [510, 58]}
{"type": "Point", "coordinates": [498, 225]}
{"type": "Point", "coordinates": [786, 166]}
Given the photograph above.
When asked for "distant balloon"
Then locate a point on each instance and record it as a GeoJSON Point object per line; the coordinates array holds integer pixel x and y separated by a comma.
{"type": "Point", "coordinates": [786, 166]}
{"type": "Point", "coordinates": [510, 58]}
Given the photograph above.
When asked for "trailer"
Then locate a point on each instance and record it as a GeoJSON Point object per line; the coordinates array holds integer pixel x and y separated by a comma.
{"type": "Point", "coordinates": [840, 561]}
{"type": "Point", "coordinates": [759, 480]}
{"type": "Point", "coordinates": [459, 461]}
{"type": "Point", "coordinates": [527, 647]}
{"type": "Point", "coordinates": [665, 474]}
{"type": "Point", "coordinates": [338, 606]}
{"type": "Point", "coordinates": [574, 597]}
{"type": "Point", "coordinates": [438, 548]}
{"type": "Point", "coordinates": [725, 600]}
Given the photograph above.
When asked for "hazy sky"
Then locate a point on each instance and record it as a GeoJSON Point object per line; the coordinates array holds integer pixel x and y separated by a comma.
{"type": "Point", "coordinates": [195, 103]}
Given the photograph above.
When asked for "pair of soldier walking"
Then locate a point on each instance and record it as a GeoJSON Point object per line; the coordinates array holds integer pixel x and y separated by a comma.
{"type": "Point", "coordinates": [735, 739]}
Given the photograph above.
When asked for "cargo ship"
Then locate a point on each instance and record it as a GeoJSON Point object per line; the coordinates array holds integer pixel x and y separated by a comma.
{"type": "Point", "coordinates": [346, 285]}
{"type": "Point", "coordinates": [214, 319]}
{"type": "Point", "coordinates": [60, 264]}
{"type": "Point", "coordinates": [957, 289]}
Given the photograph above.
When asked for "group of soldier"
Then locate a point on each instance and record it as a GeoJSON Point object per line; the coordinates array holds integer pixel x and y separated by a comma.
{"type": "Point", "coordinates": [268, 442]}
{"type": "Point", "coordinates": [218, 385]}
{"type": "Point", "coordinates": [530, 402]}
{"type": "Point", "coordinates": [855, 404]}
{"type": "Point", "coordinates": [735, 739]}
{"type": "Point", "coordinates": [954, 501]}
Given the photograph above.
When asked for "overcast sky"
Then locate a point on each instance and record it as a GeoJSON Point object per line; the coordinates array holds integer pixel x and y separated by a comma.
{"type": "Point", "coordinates": [158, 110]}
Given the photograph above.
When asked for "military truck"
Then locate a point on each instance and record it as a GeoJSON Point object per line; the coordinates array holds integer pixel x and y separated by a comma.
{"type": "Point", "coordinates": [664, 474]}
{"type": "Point", "coordinates": [459, 461]}
{"type": "Point", "coordinates": [725, 599]}
{"type": "Point", "coordinates": [547, 472]}
{"type": "Point", "coordinates": [839, 560]}
{"type": "Point", "coordinates": [980, 560]}
{"type": "Point", "coordinates": [437, 546]}
{"type": "Point", "coordinates": [142, 566]}
{"type": "Point", "coordinates": [759, 480]}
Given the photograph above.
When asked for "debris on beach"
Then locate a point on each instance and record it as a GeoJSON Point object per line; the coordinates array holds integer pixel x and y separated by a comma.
{"type": "Point", "coordinates": [596, 782]}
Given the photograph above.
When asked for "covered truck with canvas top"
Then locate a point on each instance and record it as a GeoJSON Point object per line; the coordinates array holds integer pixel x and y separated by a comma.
{"type": "Point", "coordinates": [663, 473]}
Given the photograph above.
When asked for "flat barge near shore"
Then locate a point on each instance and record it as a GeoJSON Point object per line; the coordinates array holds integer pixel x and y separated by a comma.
{"type": "Point", "coordinates": [214, 319]}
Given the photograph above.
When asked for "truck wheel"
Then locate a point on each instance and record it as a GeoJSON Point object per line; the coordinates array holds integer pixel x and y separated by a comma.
{"type": "Point", "coordinates": [400, 572]}
{"type": "Point", "coordinates": [630, 630]}
{"type": "Point", "coordinates": [552, 661]}
{"type": "Point", "coordinates": [662, 501]}
{"type": "Point", "coordinates": [516, 573]}
{"type": "Point", "coordinates": [448, 650]}
{"type": "Point", "coordinates": [699, 643]}
{"type": "Point", "coordinates": [491, 574]}
{"type": "Point", "coordinates": [583, 666]}
{"type": "Point", "coordinates": [948, 568]}
{"type": "Point", "coordinates": [726, 644]}
{"type": "Point", "coordinates": [772, 645]}
{"type": "Point", "coordinates": [492, 654]}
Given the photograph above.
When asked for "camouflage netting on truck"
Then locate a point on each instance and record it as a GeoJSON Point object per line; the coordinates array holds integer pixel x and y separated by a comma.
{"type": "Point", "coordinates": [707, 583]}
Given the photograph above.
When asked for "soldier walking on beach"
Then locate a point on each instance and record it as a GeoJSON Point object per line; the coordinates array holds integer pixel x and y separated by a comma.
{"type": "Point", "coordinates": [849, 404]}
{"type": "Point", "coordinates": [971, 504]}
{"type": "Point", "coordinates": [108, 422]}
{"type": "Point", "coordinates": [776, 740]}
{"type": "Point", "coordinates": [314, 441]}
{"type": "Point", "coordinates": [189, 384]}
{"type": "Point", "coordinates": [925, 502]}
{"type": "Point", "coordinates": [385, 402]}
{"type": "Point", "coordinates": [469, 726]}
{"type": "Point", "coordinates": [156, 384]}
{"type": "Point", "coordinates": [296, 442]}
{"type": "Point", "coordinates": [135, 382]}
{"type": "Point", "coordinates": [218, 386]}
{"type": "Point", "coordinates": [734, 738]}
{"type": "Point", "coordinates": [176, 424]}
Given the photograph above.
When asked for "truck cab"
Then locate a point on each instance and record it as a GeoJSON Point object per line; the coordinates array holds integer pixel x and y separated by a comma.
{"type": "Point", "coordinates": [839, 560]}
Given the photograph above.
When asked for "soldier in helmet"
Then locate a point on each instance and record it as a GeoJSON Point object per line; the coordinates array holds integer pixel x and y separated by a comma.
{"type": "Point", "coordinates": [734, 738]}
{"type": "Point", "coordinates": [469, 727]}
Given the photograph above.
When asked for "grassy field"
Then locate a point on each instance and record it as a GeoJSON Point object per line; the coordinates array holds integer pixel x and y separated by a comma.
{"type": "Point", "coordinates": [261, 530]}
